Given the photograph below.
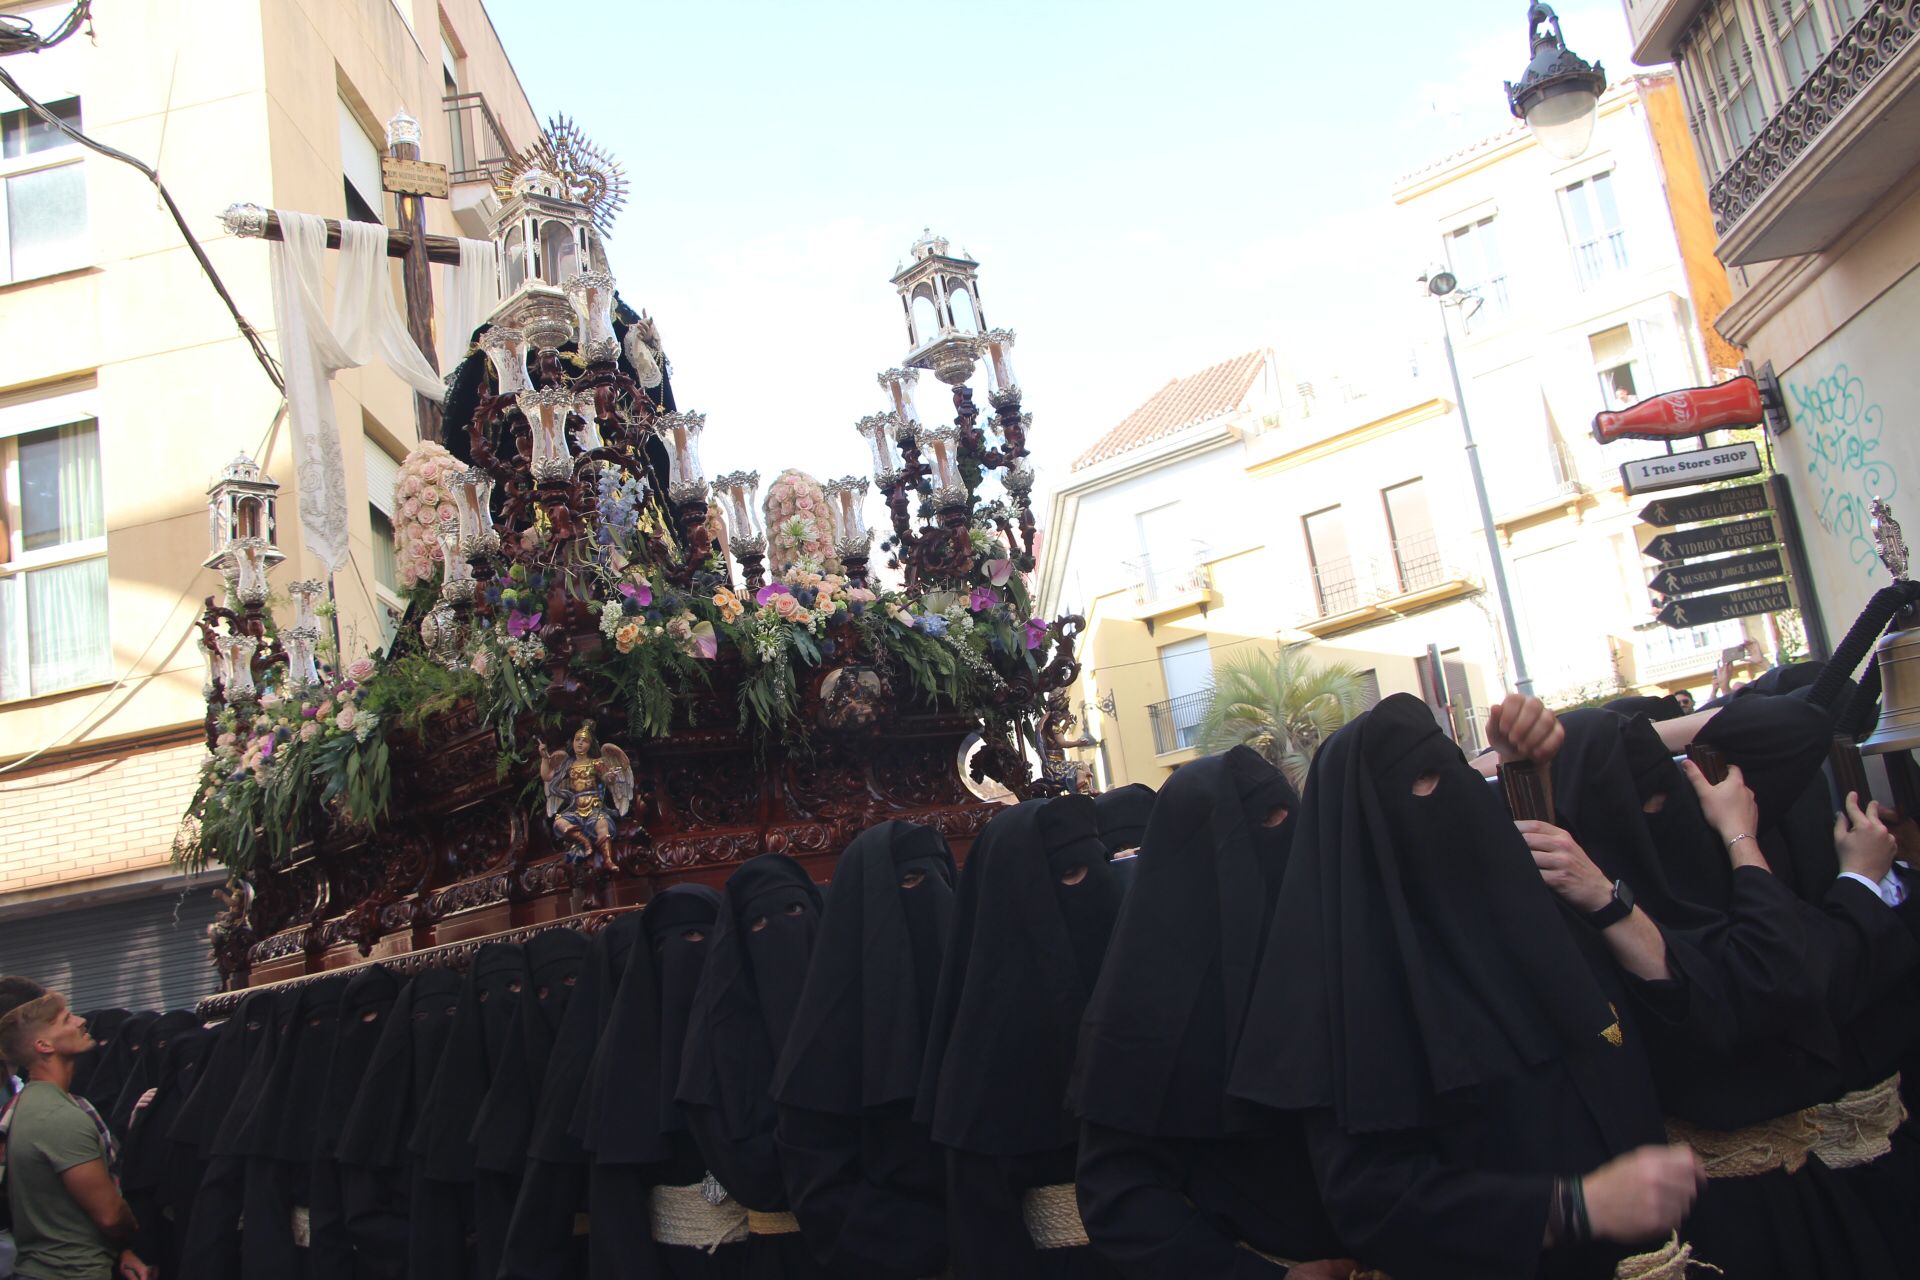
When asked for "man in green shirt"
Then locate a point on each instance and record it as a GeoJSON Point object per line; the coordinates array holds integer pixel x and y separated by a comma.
{"type": "Point", "coordinates": [69, 1219]}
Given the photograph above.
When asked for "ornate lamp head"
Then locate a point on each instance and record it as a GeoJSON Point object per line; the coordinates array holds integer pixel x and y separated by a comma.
{"type": "Point", "coordinates": [881, 432]}
{"type": "Point", "coordinates": [242, 505]}
{"type": "Point", "coordinates": [737, 492]}
{"type": "Point", "coordinates": [942, 299]}
{"type": "Point", "coordinates": [546, 411]}
{"type": "Point", "coordinates": [848, 498]}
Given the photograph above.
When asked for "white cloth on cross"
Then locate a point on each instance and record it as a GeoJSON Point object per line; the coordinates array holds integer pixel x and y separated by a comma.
{"type": "Point", "coordinates": [366, 322]}
{"type": "Point", "coordinates": [473, 292]}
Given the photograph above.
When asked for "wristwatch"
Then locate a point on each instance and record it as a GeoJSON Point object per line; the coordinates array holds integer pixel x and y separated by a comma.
{"type": "Point", "coordinates": [1618, 908]}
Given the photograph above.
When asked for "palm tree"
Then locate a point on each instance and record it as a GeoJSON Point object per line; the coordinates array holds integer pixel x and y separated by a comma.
{"type": "Point", "coordinates": [1283, 706]}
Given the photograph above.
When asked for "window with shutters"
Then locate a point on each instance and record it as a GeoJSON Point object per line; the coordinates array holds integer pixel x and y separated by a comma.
{"type": "Point", "coordinates": [1335, 586]}
{"type": "Point", "coordinates": [1590, 210]}
{"type": "Point", "coordinates": [43, 194]}
{"type": "Point", "coordinates": [53, 564]}
{"type": "Point", "coordinates": [360, 166]}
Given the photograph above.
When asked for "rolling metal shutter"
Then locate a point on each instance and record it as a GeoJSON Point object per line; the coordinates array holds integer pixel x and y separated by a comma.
{"type": "Point", "coordinates": [148, 952]}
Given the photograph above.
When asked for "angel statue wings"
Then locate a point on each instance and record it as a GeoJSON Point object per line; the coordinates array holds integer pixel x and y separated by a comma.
{"type": "Point", "coordinates": [586, 794]}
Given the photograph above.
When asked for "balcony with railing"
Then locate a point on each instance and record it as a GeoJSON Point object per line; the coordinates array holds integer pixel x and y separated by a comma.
{"type": "Point", "coordinates": [1356, 591]}
{"type": "Point", "coordinates": [480, 146]}
{"type": "Point", "coordinates": [1176, 722]}
{"type": "Point", "coordinates": [1823, 159]}
{"type": "Point", "coordinates": [1595, 260]}
{"type": "Point", "coordinates": [1661, 654]}
{"type": "Point", "coordinates": [1566, 475]}
{"type": "Point", "coordinates": [1167, 582]}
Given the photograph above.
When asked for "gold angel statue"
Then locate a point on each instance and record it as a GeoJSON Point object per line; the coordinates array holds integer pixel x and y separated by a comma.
{"type": "Point", "coordinates": [586, 794]}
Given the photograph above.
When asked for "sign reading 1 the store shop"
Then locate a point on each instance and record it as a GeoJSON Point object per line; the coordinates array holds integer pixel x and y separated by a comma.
{"type": "Point", "coordinates": [1696, 466]}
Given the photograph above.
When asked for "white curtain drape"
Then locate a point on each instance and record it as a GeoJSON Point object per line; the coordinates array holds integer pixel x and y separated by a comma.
{"type": "Point", "coordinates": [366, 323]}
{"type": "Point", "coordinates": [83, 511]}
{"type": "Point", "coordinates": [67, 611]}
{"type": "Point", "coordinates": [473, 292]}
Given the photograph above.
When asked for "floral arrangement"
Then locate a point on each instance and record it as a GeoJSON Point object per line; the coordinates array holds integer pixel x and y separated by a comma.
{"type": "Point", "coordinates": [423, 497]}
{"type": "Point", "coordinates": [799, 523]}
{"type": "Point", "coordinates": [304, 758]}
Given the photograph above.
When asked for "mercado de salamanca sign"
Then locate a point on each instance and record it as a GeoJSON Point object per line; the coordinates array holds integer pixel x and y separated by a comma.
{"type": "Point", "coordinates": [1696, 466]}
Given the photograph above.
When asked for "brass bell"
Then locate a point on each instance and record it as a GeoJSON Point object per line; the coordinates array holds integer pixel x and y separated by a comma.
{"type": "Point", "coordinates": [1898, 651]}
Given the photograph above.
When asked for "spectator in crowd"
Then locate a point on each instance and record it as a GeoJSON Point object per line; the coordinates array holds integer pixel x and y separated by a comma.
{"type": "Point", "coordinates": [70, 1221]}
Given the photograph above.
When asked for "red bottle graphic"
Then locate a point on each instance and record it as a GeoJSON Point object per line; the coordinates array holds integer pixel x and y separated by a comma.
{"type": "Point", "coordinates": [1692, 412]}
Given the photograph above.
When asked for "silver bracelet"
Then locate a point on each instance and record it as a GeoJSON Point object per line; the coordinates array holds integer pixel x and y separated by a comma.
{"type": "Point", "coordinates": [1736, 840]}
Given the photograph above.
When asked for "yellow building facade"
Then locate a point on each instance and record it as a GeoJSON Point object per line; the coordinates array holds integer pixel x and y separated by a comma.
{"type": "Point", "coordinates": [1239, 510]}
{"type": "Point", "coordinates": [125, 389]}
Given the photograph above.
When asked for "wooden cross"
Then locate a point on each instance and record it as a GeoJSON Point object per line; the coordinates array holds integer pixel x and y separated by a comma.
{"type": "Point", "coordinates": [410, 180]}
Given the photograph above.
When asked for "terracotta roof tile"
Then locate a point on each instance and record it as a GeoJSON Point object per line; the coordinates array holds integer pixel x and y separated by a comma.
{"type": "Point", "coordinates": [1182, 403]}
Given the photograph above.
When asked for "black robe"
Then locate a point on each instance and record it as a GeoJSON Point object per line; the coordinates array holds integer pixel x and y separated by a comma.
{"type": "Point", "coordinates": [221, 1107]}
{"type": "Point", "coordinates": [627, 1116]}
{"type": "Point", "coordinates": [158, 1173]}
{"type": "Point", "coordinates": [1035, 909]}
{"type": "Point", "coordinates": [364, 1008]}
{"type": "Point", "coordinates": [1456, 1037]}
{"type": "Point", "coordinates": [864, 1179]}
{"type": "Point", "coordinates": [116, 1062]}
{"type": "Point", "coordinates": [546, 1237]}
{"type": "Point", "coordinates": [1174, 1177]}
{"type": "Point", "coordinates": [103, 1025]}
{"type": "Point", "coordinates": [277, 1139]}
{"type": "Point", "coordinates": [144, 1071]}
{"type": "Point", "coordinates": [373, 1152]}
{"type": "Point", "coordinates": [442, 1233]}
{"type": "Point", "coordinates": [748, 992]}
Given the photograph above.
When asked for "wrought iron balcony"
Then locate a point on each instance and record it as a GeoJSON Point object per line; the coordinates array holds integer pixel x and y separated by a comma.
{"type": "Point", "coordinates": [1600, 257]}
{"type": "Point", "coordinates": [1165, 581]}
{"type": "Point", "coordinates": [480, 146]}
{"type": "Point", "coordinates": [1355, 591]}
{"type": "Point", "coordinates": [1827, 154]}
{"type": "Point", "coordinates": [1176, 722]}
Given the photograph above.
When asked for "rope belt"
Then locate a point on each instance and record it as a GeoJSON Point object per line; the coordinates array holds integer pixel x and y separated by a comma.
{"type": "Point", "coordinates": [771, 1224]}
{"type": "Point", "coordinates": [1053, 1217]}
{"type": "Point", "coordinates": [683, 1216]}
{"type": "Point", "coordinates": [1781, 1143]}
{"type": "Point", "coordinates": [302, 1227]}
{"type": "Point", "coordinates": [1669, 1262]}
{"type": "Point", "coordinates": [1858, 1129]}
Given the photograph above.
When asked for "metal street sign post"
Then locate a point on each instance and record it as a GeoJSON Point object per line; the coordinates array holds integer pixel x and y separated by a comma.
{"type": "Point", "coordinates": [1705, 575]}
{"type": "Point", "coordinates": [1713, 504]}
{"type": "Point", "coordinates": [1713, 539]}
{"type": "Point", "coordinates": [1723, 606]}
{"type": "Point", "coordinates": [1696, 466]}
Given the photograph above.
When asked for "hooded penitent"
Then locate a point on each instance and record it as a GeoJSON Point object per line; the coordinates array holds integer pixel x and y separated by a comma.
{"type": "Point", "coordinates": [543, 1241]}
{"type": "Point", "coordinates": [1035, 908]}
{"type": "Point", "coordinates": [103, 1025]}
{"type": "Point", "coordinates": [159, 1175]}
{"type": "Point", "coordinates": [1164, 1017]}
{"type": "Point", "coordinates": [627, 1117]}
{"type": "Point", "coordinates": [1416, 951]}
{"type": "Point", "coordinates": [504, 1122]}
{"type": "Point", "coordinates": [1441, 1016]}
{"type": "Point", "coordinates": [756, 964]}
{"type": "Point", "coordinates": [373, 1150]}
{"type": "Point", "coordinates": [865, 1180]}
{"type": "Point", "coordinates": [144, 1072]}
{"type": "Point", "coordinates": [117, 1061]}
{"type": "Point", "coordinates": [443, 1226]}
{"type": "Point", "coordinates": [1036, 905]}
{"type": "Point", "coordinates": [364, 1009]}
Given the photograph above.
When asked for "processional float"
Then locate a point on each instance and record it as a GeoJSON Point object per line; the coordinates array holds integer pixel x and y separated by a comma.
{"type": "Point", "coordinates": [615, 671]}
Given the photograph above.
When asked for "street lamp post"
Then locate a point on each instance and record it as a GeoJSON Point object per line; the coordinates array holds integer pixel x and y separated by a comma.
{"type": "Point", "coordinates": [1441, 284]}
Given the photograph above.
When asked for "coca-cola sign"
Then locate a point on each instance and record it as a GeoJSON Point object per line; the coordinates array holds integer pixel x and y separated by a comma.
{"type": "Point", "coordinates": [1694, 411]}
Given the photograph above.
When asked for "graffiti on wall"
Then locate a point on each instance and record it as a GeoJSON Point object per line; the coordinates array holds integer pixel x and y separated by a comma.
{"type": "Point", "coordinates": [1844, 463]}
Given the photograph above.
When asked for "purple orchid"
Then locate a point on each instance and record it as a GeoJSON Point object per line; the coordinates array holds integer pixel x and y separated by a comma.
{"type": "Point", "coordinates": [769, 591]}
{"type": "Point", "coordinates": [1036, 632]}
{"type": "Point", "coordinates": [982, 600]}
{"type": "Point", "coordinates": [520, 625]}
{"type": "Point", "coordinates": [641, 593]}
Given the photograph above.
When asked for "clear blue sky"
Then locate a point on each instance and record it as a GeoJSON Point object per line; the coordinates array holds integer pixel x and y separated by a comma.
{"type": "Point", "coordinates": [1148, 188]}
